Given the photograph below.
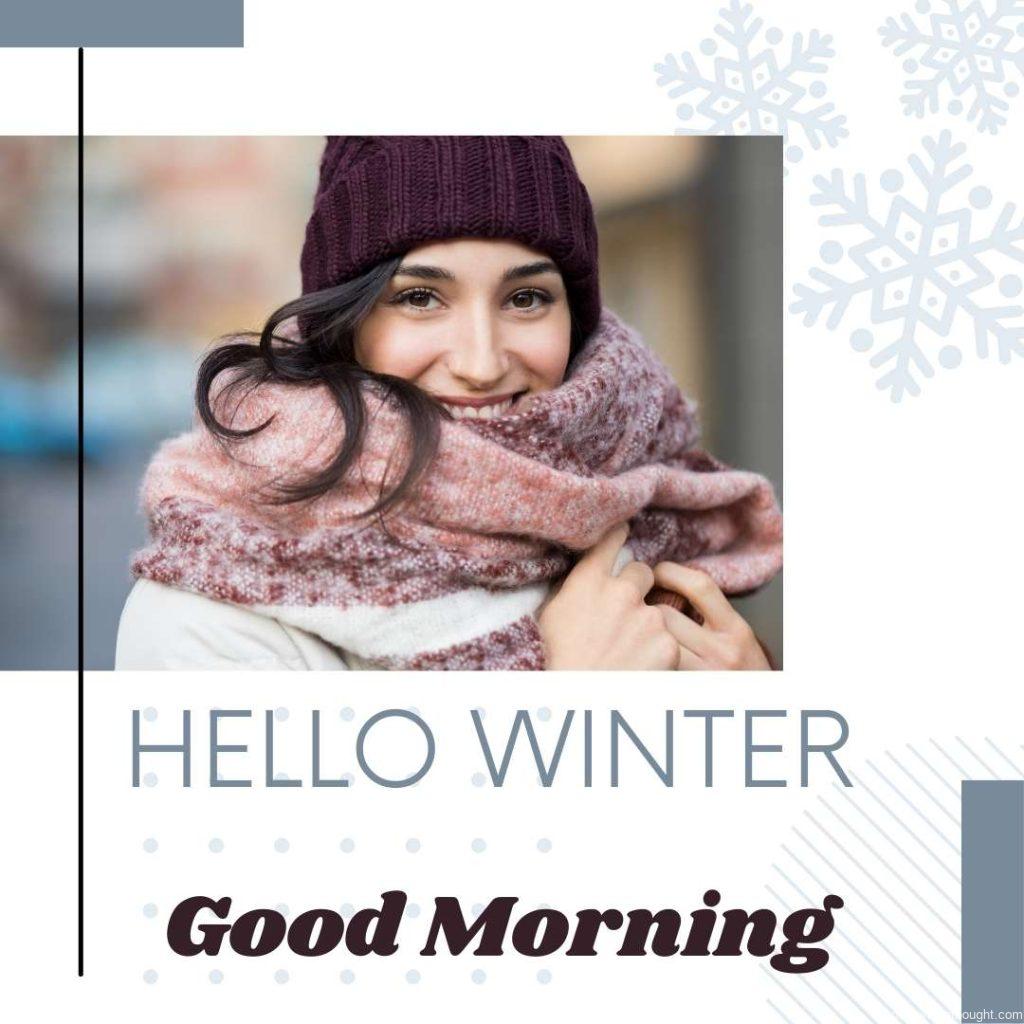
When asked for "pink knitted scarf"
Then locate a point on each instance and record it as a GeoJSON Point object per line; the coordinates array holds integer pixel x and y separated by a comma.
{"type": "Point", "coordinates": [453, 579]}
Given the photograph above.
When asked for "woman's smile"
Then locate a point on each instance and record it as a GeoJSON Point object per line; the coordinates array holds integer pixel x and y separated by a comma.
{"type": "Point", "coordinates": [486, 407]}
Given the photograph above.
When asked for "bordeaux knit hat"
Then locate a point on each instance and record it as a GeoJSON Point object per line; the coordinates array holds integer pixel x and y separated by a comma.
{"type": "Point", "coordinates": [381, 195]}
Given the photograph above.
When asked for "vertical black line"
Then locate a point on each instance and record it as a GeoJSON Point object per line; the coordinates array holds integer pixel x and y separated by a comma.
{"type": "Point", "coordinates": [81, 522]}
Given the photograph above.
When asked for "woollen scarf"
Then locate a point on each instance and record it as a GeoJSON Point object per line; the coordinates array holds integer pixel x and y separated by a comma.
{"type": "Point", "coordinates": [454, 578]}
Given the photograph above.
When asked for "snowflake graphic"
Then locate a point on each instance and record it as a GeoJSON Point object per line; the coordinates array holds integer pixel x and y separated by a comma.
{"type": "Point", "coordinates": [756, 91]}
{"type": "Point", "coordinates": [967, 51]}
{"type": "Point", "coordinates": [922, 265]}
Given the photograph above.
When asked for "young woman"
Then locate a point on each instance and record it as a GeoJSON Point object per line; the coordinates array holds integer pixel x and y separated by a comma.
{"type": "Point", "coordinates": [434, 457]}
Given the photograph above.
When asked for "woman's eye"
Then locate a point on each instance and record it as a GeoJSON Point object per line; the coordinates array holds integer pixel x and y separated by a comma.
{"type": "Point", "coordinates": [417, 298]}
{"type": "Point", "coordinates": [529, 298]}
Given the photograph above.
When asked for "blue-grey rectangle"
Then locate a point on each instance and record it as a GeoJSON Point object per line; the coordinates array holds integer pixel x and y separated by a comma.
{"type": "Point", "coordinates": [121, 22]}
{"type": "Point", "coordinates": [992, 891]}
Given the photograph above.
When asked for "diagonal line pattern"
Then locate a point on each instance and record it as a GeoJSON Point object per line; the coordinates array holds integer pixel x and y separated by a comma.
{"type": "Point", "coordinates": [924, 789]}
{"type": "Point", "coordinates": [976, 757]}
{"type": "Point", "coordinates": [864, 956]}
{"type": "Point", "coordinates": [906, 828]}
{"type": "Point", "coordinates": [881, 860]}
{"type": "Point", "coordinates": [1004, 757]}
{"type": "Point", "coordinates": [833, 955]}
{"type": "Point", "coordinates": [885, 918]}
{"type": "Point", "coordinates": [896, 846]}
{"type": "Point", "coordinates": [917, 810]}
{"type": "Point", "coordinates": [771, 974]}
{"type": "Point", "coordinates": [898, 931]}
{"type": "Point", "coordinates": [942, 779]}
{"type": "Point", "coordinates": [893, 903]}
{"type": "Point", "coordinates": [869, 987]}
{"type": "Point", "coordinates": [856, 920]}
{"type": "Point", "coordinates": [960, 771]}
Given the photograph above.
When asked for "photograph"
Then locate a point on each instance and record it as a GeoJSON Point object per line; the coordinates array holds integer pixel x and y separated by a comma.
{"type": "Point", "coordinates": [433, 403]}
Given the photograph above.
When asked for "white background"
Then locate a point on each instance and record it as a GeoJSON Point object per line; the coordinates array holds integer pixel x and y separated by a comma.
{"type": "Point", "coordinates": [903, 549]}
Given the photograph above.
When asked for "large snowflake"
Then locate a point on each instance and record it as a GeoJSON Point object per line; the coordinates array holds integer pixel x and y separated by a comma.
{"type": "Point", "coordinates": [925, 267]}
{"type": "Point", "coordinates": [756, 91]}
{"type": "Point", "coordinates": [967, 52]}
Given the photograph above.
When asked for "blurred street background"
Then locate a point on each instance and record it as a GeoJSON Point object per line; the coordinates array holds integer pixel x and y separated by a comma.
{"type": "Point", "coordinates": [38, 403]}
{"type": "Point", "coordinates": [190, 238]}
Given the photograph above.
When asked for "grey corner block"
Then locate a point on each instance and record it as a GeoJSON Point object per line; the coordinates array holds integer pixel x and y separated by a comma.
{"type": "Point", "coordinates": [992, 898]}
{"type": "Point", "coordinates": [121, 22]}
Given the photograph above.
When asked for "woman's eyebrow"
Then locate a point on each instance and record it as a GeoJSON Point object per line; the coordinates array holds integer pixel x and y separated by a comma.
{"type": "Point", "coordinates": [425, 272]}
{"type": "Point", "coordinates": [528, 270]}
{"type": "Point", "coordinates": [429, 273]}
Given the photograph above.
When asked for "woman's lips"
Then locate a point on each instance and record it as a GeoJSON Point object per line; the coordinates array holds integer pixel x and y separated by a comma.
{"type": "Point", "coordinates": [485, 408]}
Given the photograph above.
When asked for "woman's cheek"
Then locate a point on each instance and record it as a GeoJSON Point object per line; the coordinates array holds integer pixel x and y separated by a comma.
{"type": "Point", "coordinates": [396, 353]}
{"type": "Point", "coordinates": [546, 356]}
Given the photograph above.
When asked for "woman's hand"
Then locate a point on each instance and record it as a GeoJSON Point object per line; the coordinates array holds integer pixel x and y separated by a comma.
{"type": "Point", "coordinates": [599, 621]}
{"type": "Point", "coordinates": [724, 641]}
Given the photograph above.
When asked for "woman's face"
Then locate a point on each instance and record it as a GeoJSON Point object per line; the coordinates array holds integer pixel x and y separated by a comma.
{"type": "Point", "coordinates": [478, 323]}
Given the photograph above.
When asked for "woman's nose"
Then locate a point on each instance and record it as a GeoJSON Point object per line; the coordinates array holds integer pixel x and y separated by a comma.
{"type": "Point", "coordinates": [477, 356]}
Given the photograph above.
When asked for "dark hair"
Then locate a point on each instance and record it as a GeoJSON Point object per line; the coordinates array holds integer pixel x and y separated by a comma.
{"type": "Point", "coordinates": [325, 354]}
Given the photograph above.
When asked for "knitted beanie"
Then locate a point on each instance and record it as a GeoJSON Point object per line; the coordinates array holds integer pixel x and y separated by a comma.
{"type": "Point", "coordinates": [381, 195]}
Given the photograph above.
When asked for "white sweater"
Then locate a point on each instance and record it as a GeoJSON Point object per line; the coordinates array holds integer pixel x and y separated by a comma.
{"type": "Point", "coordinates": [165, 628]}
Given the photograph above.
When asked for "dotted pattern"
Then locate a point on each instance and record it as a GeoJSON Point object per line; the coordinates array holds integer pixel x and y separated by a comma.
{"type": "Point", "coordinates": [346, 845]}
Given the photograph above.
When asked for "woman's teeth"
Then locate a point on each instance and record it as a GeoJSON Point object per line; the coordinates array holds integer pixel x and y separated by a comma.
{"type": "Point", "coordinates": [479, 412]}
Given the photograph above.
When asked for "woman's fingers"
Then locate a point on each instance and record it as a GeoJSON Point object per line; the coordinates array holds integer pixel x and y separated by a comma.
{"type": "Point", "coordinates": [640, 575]}
{"type": "Point", "coordinates": [701, 647]}
{"type": "Point", "coordinates": [686, 632]}
{"type": "Point", "coordinates": [700, 589]}
{"type": "Point", "coordinates": [690, 662]}
{"type": "Point", "coordinates": [601, 557]}
{"type": "Point", "coordinates": [688, 635]}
